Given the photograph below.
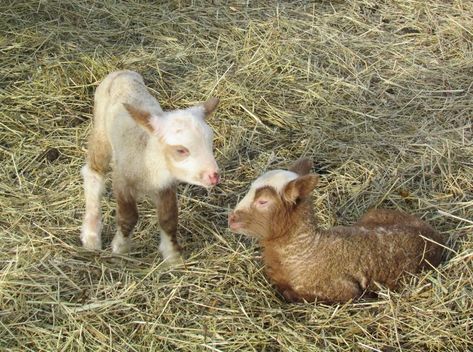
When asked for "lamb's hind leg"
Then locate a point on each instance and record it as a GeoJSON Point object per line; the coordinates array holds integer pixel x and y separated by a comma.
{"type": "Point", "coordinates": [166, 204]}
{"type": "Point", "coordinates": [93, 172]}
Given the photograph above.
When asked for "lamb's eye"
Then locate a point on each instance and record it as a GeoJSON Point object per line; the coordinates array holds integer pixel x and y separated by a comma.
{"type": "Point", "coordinates": [182, 151]}
{"type": "Point", "coordinates": [261, 202]}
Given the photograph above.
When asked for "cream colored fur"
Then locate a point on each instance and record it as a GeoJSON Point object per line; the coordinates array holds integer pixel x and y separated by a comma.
{"type": "Point", "coordinates": [141, 158]}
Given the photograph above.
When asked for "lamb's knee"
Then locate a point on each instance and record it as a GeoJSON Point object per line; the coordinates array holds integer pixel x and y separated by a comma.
{"type": "Point", "coordinates": [349, 289]}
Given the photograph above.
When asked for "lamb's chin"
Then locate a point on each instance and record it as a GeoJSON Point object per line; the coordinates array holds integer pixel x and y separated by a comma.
{"type": "Point", "coordinates": [249, 234]}
{"type": "Point", "coordinates": [238, 229]}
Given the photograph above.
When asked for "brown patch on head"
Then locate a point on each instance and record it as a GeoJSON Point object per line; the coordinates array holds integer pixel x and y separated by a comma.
{"type": "Point", "coordinates": [140, 116]}
{"type": "Point", "coordinates": [210, 106]}
{"type": "Point", "coordinates": [267, 192]}
{"type": "Point", "coordinates": [267, 216]}
{"type": "Point", "coordinates": [302, 166]}
{"type": "Point", "coordinates": [300, 188]}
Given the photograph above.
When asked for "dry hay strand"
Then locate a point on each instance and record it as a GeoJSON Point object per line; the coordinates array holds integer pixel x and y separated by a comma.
{"type": "Point", "coordinates": [378, 93]}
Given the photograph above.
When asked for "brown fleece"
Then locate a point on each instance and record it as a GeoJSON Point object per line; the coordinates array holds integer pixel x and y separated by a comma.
{"type": "Point", "coordinates": [308, 263]}
{"type": "Point", "coordinates": [166, 205]}
{"type": "Point", "coordinates": [127, 214]}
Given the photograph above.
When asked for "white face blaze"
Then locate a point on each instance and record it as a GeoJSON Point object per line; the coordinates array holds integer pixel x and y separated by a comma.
{"type": "Point", "coordinates": [275, 178]}
{"type": "Point", "coordinates": [189, 141]}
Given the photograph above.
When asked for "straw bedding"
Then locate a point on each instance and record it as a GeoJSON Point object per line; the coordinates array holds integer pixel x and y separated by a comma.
{"type": "Point", "coordinates": [377, 93]}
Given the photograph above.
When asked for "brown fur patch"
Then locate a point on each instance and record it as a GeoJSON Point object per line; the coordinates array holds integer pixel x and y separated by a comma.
{"type": "Point", "coordinates": [127, 213]}
{"type": "Point", "coordinates": [166, 205]}
{"type": "Point", "coordinates": [99, 153]}
{"type": "Point", "coordinates": [140, 116]}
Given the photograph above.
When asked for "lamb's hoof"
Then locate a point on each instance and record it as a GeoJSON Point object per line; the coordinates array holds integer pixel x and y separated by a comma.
{"type": "Point", "coordinates": [91, 241]}
{"type": "Point", "coordinates": [121, 245]}
{"type": "Point", "coordinates": [171, 255]}
{"type": "Point", "coordinates": [173, 260]}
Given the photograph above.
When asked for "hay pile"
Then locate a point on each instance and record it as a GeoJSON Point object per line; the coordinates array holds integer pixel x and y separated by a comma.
{"type": "Point", "coordinates": [378, 93]}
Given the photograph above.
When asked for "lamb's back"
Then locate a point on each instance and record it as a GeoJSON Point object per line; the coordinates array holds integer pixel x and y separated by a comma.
{"type": "Point", "coordinates": [380, 253]}
{"type": "Point", "coordinates": [344, 262]}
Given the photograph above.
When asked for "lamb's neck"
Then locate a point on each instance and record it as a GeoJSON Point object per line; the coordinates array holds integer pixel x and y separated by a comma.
{"type": "Point", "coordinates": [284, 252]}
{"type": "Point", "coordinates": [158, 174]}
{"type": "Point", "coordinates": [302, 228]}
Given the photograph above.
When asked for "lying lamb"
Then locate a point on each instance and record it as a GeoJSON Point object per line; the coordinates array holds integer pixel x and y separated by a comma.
{"type": "Point", "coordinates": [308, 263]}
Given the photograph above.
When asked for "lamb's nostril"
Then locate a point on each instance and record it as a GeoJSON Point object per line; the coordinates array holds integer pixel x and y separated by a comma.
{"type": "Point", "coordinates": [214, 178]}
{"type": "Point", "coordinates": [231, 218]}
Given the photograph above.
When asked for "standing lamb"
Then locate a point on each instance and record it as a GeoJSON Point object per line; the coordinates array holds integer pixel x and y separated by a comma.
{"type": "Point", "coordinates": [150, 151]}
{"type": "Point", "coordinates": [308, 263]}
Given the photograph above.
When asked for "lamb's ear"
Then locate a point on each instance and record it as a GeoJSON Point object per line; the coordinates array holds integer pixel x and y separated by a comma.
{"type": "Point", "coordinates": [300, 188]}
{"type": "Point", "coordinates": [143, 118]}
{"type": "Point", "coordinates": [210, 106]}
{"type": "Point", "coordinates": [302, 166]}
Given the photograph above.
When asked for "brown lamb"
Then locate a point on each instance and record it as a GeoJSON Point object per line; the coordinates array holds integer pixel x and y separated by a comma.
{"type": "Point", "coordinates": [343, 263]}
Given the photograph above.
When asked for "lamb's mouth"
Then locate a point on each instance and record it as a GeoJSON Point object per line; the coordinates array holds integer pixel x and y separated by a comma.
{"type": "Point", "coordinates": [235, 226]}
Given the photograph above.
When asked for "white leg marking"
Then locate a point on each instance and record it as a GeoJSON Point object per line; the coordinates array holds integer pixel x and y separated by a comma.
{"type": "Point", "coordinates": [120, 243]}
{"type": "Point", "coordinates": [92, 225]}
{"type": "Point", "coordinates": [167, 250]}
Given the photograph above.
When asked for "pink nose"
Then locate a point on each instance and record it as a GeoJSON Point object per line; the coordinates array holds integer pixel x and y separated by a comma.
{"type": "Point", "coordinates": [231, 219]}
{"type": "Point", "coordinates": [214, 178]}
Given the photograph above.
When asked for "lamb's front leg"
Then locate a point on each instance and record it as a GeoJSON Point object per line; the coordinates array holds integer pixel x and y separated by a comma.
{"type": "Point", "coordinates": [166, 204]}
{"type": "Point", "coordinates": [127, 217]}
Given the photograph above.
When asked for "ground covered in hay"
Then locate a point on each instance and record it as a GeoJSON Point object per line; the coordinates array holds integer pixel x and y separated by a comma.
{"type": "Point", "coordinates": [378, 93]}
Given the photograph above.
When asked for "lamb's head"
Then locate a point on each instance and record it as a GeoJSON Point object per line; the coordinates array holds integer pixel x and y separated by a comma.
{"type": "Point", "coordinates": [272, 198]}
{"type": "Point", "coordinates": [187, 141]}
